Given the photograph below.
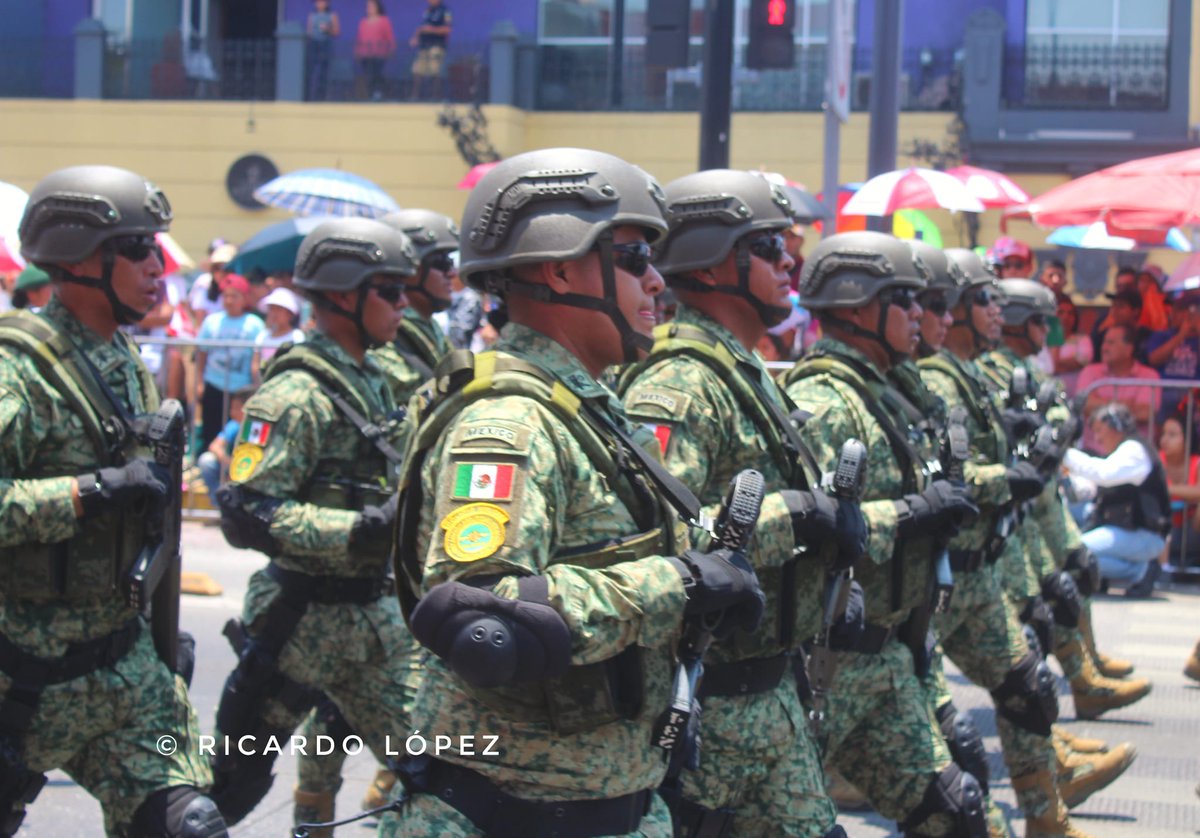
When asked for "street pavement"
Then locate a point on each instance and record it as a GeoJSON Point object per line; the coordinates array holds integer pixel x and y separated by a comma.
{"type": "Point", "coordinates": [1154, 798]}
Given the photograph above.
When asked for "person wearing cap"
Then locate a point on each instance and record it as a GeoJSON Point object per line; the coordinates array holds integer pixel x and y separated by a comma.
{"type": "Point", "coordinates": [82, 686]}
{"type": "Point", "coordinates": [1150, 280]}
{"type": "Point", "coordinates": [716, 410]}
{"type": "Point", "coordinates": [32, 289]}
{"type": "Point", "coordinates": [880, 729]}
{"type": "Point", "coordinates": [221, 370]}
{"type": "Point", "coordinates": [283, 318]}
{"type": "Point", "coordinates": [1125, 310]}
{"type": "Point", "coordinates": [311, 484]}
{"type": "Point", "coordinates": [1011, 258]}
{"type": "Point", "coordinates": [205, 295]}
{"type": "Point", "coordinates": [1118, 360]}
{"type": "Point", "coordinates": [540, 556]}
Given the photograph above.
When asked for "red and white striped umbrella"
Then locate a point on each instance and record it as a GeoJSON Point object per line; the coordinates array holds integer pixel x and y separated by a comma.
{"type": "Point", "coordinates": [175, 258]}
{"type": "Point", "coordinates": [912, 188]}
{"type": "Point", "coordinates": [991, 188]}
{"type": "Point", "coordinates": [10, 256]}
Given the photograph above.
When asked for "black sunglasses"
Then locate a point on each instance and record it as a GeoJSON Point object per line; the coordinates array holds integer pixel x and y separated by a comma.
{"type": "Point", "coordinates": [902, 298]}
{"type": "Point", "coordinates": [390, 293]}
{"type": "Point", "coordinates": [135, 248]}
{"type": "Point", "coordinates": [633, 257]}
{"type": "Point", "coordinates": [440, 261]}
{"type": "Point", "coordinates": [1037, 320]}
{"type": "Point", "coordinates": [769, 247]}
{"type": "Point", "coordinates": [934, 302]}
{"type": "Point", "coordinates": [984, 297]}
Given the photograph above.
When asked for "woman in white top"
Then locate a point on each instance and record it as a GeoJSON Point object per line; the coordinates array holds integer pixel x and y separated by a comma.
{"type": "Point", "coordinates": [1076, 350]}
{"type": "Point", "coordinates": [283, 315]}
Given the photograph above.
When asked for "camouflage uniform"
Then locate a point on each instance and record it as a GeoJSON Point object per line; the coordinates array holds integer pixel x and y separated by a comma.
{"type": "Point", "coordinates": [881, 732]}
{"type": "Point", "coordinates": [556, 740]}
{"type": "Point", "coordinates": [410, 360]}
{"type": "Point", "coordinates": [758, 755]}
{"type": "Point", "coordinates": [101, 728]}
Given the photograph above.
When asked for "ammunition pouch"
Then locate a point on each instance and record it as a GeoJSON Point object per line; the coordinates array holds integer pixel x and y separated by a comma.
{"type": "Point", "coordinates": [691, 820]}
{"type": "Point", "coordinates": [744, 677]}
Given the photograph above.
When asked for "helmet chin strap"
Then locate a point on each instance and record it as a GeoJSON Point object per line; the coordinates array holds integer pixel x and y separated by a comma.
{"type": "Point", "coordinates": [123, 314]}
{"type": "Point", "coordinates": [435, 303]}
{"type": "Point", "coordinates": [356, 316]}
{"type": "Point", "coordinates": [981, 340]}
{"type": "Point", "coordinates": [633, 343]}
{"type": "Point", "coordinates": [770, 315]}
{"type": "Point", "coordinates": [878, 336]}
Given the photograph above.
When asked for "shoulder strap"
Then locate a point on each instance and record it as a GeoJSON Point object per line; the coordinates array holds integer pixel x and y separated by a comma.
{"type": "Point", "coordinates": [967, 390]}
{"type": "Point", "coordinates": [337, 389]}
{"type": "Point", "coordinates": [416, 348]}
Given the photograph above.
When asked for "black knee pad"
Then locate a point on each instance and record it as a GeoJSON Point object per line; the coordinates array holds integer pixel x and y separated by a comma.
{"type": "Point", "coordinates": [241, 781]}
{"type": "Point", "coordinates": [1084, 568]}
{"type": "Point", "coordinates": [1032, 641]}
{"type": "Point", "coordinates": [1039, 615]}
{"type": "Point", "coordinates": [179, 812]}
{"type": "Point", "coordinates": [966, 743]}
{"type": "Point", "coordinates": [1062, 596]}
{"type": "Point", "coordinates": [956, 793]}
{"type": "Point", "coordinates": [836, 832]}
{"type": "Point", "coordinates": [1028, 697]}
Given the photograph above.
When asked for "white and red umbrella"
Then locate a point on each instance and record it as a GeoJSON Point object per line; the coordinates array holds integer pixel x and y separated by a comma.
{"type": "Point", "coordinates": [10, 256]}
{"type": "Point", "coordinates": [912, 188]}
{"type": "Point", "coordinates": [175, 258]}
{"type": "Point", "coordinates": [991, 188]}
{"type": "Point", "coordinates": [476, 174]}
{"type": "Point", "coordinates": [12, 206]}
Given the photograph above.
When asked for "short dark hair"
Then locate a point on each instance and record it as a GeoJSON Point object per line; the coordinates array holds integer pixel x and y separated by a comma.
{"type": "Point", "coordinates": [1127, 333]}
{"type": "Point", "coordinates": [1055, 263]}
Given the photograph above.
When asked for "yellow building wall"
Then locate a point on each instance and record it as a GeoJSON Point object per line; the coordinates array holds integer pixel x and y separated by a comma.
{"type": "Point", "coordinates": [187, 148]}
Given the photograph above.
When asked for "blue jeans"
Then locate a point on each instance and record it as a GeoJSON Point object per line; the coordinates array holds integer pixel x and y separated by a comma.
{"type": "Point", "coordinates": [1124, 555]}
{"type": "Point", "coordinates": [210, 471]}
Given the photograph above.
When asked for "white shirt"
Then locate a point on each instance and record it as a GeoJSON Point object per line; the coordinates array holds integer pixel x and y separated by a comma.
{"type": "Point", "coordinates": [1127, 465]}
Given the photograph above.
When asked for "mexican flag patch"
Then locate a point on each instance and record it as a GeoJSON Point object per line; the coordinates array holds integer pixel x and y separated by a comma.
{"type": "Point", "coordinates": [255, 432]}
{"type": "Point", "coordinates": [663, 434]}
{"type": "Point", "coordinates": [483, 481]}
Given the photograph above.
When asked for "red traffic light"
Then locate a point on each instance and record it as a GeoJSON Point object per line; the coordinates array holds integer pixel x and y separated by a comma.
{"type": "Point", "coordinates": [777, 12]}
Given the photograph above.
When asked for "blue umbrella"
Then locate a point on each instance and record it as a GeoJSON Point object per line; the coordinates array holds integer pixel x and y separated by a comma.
{"type": "Point", "coordinates": [1096, 236]}
{"type": "Point", "coordinates": [274, 248]}
{"type": "Point", "coordinates": [326, 192]}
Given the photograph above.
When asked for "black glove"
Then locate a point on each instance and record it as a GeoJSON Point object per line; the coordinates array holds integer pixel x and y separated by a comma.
{"type": "Point", "coordinates": [817, 518]}
{"type": "Point", "coordinates": [120, 486]}
{"type": "Point", "coordinates": [1021, 423]}
{"type": "Point", "coordinates": [722, 588]}
{"type": "Point", "coordinates": [373, 529]}
{"type": "Point", "coordinates": [1062, 595]}
{"type": "Point", "coordinates": [944, 503]}
{"type": "Point", "coordinates": [847, 630]}
{"type": "Point", "coordinates": [1024, 481]}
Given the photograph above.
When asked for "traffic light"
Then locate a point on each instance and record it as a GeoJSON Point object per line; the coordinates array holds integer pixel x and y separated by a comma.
{"type": "Point", "coordinates": [667, 25]}
{"type": "Point", "coordinates": [772, 46]}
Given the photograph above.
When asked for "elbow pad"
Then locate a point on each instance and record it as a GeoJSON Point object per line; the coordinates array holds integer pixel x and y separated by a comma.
{"type": "Point", "coordinates": [490, 641]}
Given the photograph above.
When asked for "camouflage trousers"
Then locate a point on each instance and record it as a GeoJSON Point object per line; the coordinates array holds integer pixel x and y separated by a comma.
{"type": "Point", "coordinates": [881, 733]}
{"type": "Point", "coordinates": [982, 635]}
{"type": "Point", "coordinates": [757, 756]}
{"type": "Point", "coordinates": [121, 733]}
{"type": "Point", "coordinates": [424, 815]}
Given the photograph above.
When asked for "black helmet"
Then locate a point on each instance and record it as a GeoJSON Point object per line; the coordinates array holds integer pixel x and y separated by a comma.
{"type": "Point", "coordinates": [343, 253]}
{"type": "Point", "coordinates": [850, 269]}
{"type": "Point", "coordinates": [429, 231]}
{"type": "Point", "coordinates": [944, 275]}
{"type": "Point", "coordinates": [1024, 298]}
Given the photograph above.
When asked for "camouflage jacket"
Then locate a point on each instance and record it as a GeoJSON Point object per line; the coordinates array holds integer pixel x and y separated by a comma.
{"type": "Point", "coordinates": [508, 491]}
{"type": "Point", "coordinates": [43, 446]}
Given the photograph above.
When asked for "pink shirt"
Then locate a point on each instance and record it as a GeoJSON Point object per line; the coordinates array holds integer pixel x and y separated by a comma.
{"type": "Point", "coordinates": [375, 38]}
{"type": "Point", "coordinates": [1126, 394]}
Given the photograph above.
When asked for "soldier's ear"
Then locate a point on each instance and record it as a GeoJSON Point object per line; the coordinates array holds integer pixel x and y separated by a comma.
{"type": "Point", "coordinates": [554, 275]}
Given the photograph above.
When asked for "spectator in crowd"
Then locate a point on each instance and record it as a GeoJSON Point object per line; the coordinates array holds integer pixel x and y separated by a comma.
{"type": "Point", "coordinates": [32, 289]}
{"type": "Point", "coordinates": [1175, 352]}
{"type": "Point", "coordinates": [205, 296]}
{"type": "Point", "coordinates": [665, 306]}
{"type": "Point", "coordinates": [214, 462]}
{"type": "Point", "coordinates": [464, 315]}
{"type": "Point", "coordinates": [1117, 361]}
{"type": "Point", "coordinates": [374, 46]}
{"type": "Point", "coordinates": [1181, 462]}
{"type": "Point", "coordinates": [429, 40]}
{"type": "Point", "coordinates": [793, 243]}
{"type": "Point", "coordinates": [1126, 278]}
{"type": "Point", "coordinates": [1054, 276]}
{"type": "Point", "coordinates": [323, 26]}
{"type": "Point", "coordinates": [1155, 316]}
{"type": "Point", "coordinates": [172, 291]}
{"type": "Point", "coordinates": [1126, 310]}
{"type": "Point", "coordinates": [283, 320]}
{"type": "Point", "coordinates": [1129, 519]}
{"type": "Point", "coordinates": [1012, 259]}
{"type": "Point", "coordinates": [220, 372]}
{"type": "Point", "coordinates": [1075, 353]}
{"type": "Point", "coordinates": [489, 330]}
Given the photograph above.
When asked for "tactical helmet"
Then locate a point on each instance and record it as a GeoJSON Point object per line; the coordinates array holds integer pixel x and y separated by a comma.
{"type": "Point", "coordinates": [552, 204]}
{"type": "Point", "coordinates": [1023, 298]}
{"type": "Point", "coordinates": [974, 270]}
{"type": "Point", "coordinates": [73, 211]}
{"type": "Point", "coordinates": [709, 211]}
{"type": "Point", "coordinates": [944, 275]}
{"type": "Point", "coordinates": [850, 269]}
{"type": "Point", "coordinates": [429, 231]}
{"type": "Point", "coordinates": [341, 254]}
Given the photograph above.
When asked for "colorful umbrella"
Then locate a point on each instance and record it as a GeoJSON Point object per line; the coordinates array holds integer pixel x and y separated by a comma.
{"type": "Point", "coordinates": [175, 258]}
{"type": "Point", "coordinates": [10, 257]}
{"type": "Point", "coordinates": [1098, 237]}
{"type": "Point", "coordinates": [326, 192]}
{"type": "Point", "coordinates": [991, 188]}
{"type": "Point", "coordinates": [906, 224]}
{"type": "Point", "coordinates": [1186, 277]}
{"type": "Point", "coordinates": [476, 174]}
{"type": "Point", "coordinates": [912, 188]}
{"type": "Point", "coordinates": [12, 206]}
{"type": "Point", "coordinates": [274, 248]}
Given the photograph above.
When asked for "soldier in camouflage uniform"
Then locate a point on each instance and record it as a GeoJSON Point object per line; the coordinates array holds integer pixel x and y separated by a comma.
{"type": "Point", "coordinates": [311, 485]}
{"type": "Point", "coordinates": [882, 734]}
{"type": "Point", "coordinates": [981, 631]}
{"type": "Point", "coordinates": [81, 686]}
{"type": "Point", "coordinates": [716, 410]}
{"type": "Point", "coordinates": [536, 531]}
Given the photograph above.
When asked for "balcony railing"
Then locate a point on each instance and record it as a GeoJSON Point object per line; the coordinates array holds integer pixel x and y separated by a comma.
{"type": "Point", "coordinates": [1087, 76]}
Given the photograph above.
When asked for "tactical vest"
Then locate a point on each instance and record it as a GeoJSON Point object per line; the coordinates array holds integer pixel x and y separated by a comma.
{"type": "Point", "coordinates": [1146, 506]}
{"type": "Point", "coordinates": [800, 608]}
{"type": "Point", "coordinates": [586, 697]}
{"type": "Point", "coordinates": [370, 479]}
{"type": "Point", "coordinates": [93, 564]}
{"type": "Point", "coordinates": [415, 347]}
{"type": "Point", "coordinates": [891, 589]}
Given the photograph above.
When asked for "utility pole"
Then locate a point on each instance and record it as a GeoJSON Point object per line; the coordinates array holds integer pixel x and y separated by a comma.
{"type": "Point", "coordinates": [885, 96]}
{"type": "Point", "coordinates": [837, 105]}
{"type": "Point", "coordinates": [717, 84]}
{"type": "Point", "coordinates": [616, 75]}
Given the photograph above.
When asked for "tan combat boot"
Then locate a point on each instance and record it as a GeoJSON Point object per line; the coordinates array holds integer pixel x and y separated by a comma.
{"type": "Point", "coordinates": [1192, 669]}
{"type": "Point", "coordinates": [1045, 814]}
{"type": "Point", "coordinates": [1078, 744]}
{"type": "Point", "coordinates": [1082, 775]}
{"type": "Point", "coordinates": [1094, 694]}
{"type": "Point", "coordinates": [380, 791]}
{"type": "Point", "coordinates": [1107, 666]}
{"type": "Point", "coordinates": [314, 807]}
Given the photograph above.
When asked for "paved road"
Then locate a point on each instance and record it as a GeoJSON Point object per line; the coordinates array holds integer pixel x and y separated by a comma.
{"type": "Point", "coordinates": [1154, 798]}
